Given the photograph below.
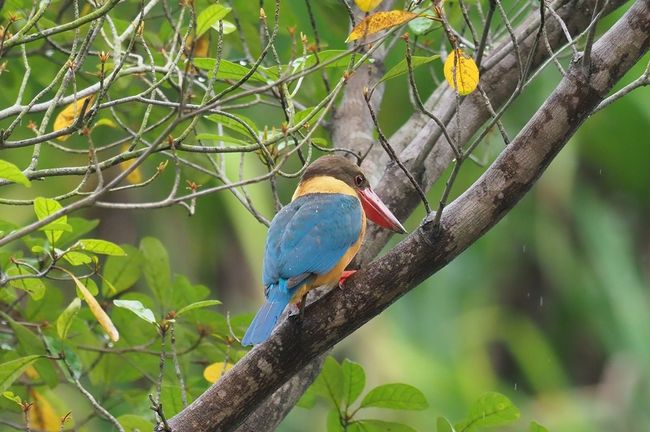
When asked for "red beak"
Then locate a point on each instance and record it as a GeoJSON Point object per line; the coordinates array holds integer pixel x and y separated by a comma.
{"type": "Point", "coordinates": [377, 211]}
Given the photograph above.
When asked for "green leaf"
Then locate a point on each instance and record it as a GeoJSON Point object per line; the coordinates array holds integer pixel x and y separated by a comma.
{"type": "Point", "coordinates": [170, 398]}
{"type": "Point", "coordinates": [43, 207]}
{"type": "Point", "coordinates": [11, 172]}
{"type": "Point", "coordinates": [134, 423]}
{"type": "Point", "coordinates": [491, 409]}
{"type": "Point", "coordinates": [105, 122]}
{"type": "Point", "coordinates": [99, 246]}
{"type": "Point", "coordinates": [137, 308]}
{"type": "Point", "coordinates": [320, 141]}
{"type": "Point", "coordinates": [334, 421]}
{"type": "Point", "coordinates": [401, 68]}
{"type": "Point", "coordinates": [197, 305]}
{"type": "Point", "coordinates": [307, 112]}
{"type": "Point", "coordinates": [64, 321]}
{"type": "Point", "coordinates": [223, 138]}
{"type": "Point", "coordinates": [80, 227]}
{"type": "Point", "coordinates": [77, 258]}
{"type": "Point", "coordinates": [307, 400]}
{"type": "Point", "coordinates": [378, 426]}
{"type": "Point", "coordinates": [536, 427]}
{"type": "Point", "coordinates": [229, 70]}
{"type": "Point", "coordinates": [12, 397]}
{"type": "Point", "coordinates": [443, 425]}
{"type": "Point", "coordinates": [234, 125]}
{"type": "Point", "coordinates": [156, 268]}
{"type": "Point", "coordinates": [227, 28]}
{"type": "Point", "coordinates": [6, 228]}
{"type": "Point", "coordinates": [423, 23]}
{"type": "Point", "coordinates": [210, 16]}
{"type": "Point", "coordinates": [354, 380]}
{"type": "Point", "coordinates": [395, 396]}
{"type": "Point", "coordinates": [28, 344]}
{"type": "Point", "coordinates": [322, 57]}
{"type": "Point", "coordinates": [33, 285]}
{"type": "Point", "coordinates": [11, 370]}
{"type": "Point", "coordinates": [185, 293]}
{"type": "Point", "coordinates": [122, 272]}
{"type": "Point", "coordinates": [329, 383]}
{"type": "Point", "coordinates": [71, 357]}
{"type": "Point", "coordinates": [57, 226]}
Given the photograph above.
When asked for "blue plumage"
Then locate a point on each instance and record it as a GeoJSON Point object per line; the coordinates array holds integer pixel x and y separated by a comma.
{"type": "Point", "coordinates": [307, 238]}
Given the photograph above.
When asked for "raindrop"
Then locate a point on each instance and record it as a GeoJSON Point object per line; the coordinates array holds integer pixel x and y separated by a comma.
{"type": "Point", "coordinates": [201, 79]}
{"type": "Point", "coordinates": [515, 386]}
{"type": "Point", "coordinates": [523, 249]}
{"type": "Point", "coordinates": [49, 53]}
{"type": "Point", "coordinates": [600, 171]}
{"type": "Point", "coordinates": [242, 62]}
{"type": "Point", "coordinates": [541, 301]}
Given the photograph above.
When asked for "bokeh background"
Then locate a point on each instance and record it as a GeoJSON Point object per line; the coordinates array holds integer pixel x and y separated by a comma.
{"type": "Point", "coordinates": [551, 307]}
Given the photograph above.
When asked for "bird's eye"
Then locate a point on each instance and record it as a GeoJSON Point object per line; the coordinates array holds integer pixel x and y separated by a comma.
{"type": "Point", "coordinates": [358, 180]}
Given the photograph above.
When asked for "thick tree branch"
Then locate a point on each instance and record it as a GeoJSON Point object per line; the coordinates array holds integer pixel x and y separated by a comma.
{"type": "Point", "coordinates": [226, 404]}
{"type": "Point", "coordinates": [420, 141]}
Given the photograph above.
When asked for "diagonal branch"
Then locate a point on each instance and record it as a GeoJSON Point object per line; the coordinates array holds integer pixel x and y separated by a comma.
{"type": "Point", "coordinates": [420, 141]}
{"type": "Point", "coordinates": [428, 249]}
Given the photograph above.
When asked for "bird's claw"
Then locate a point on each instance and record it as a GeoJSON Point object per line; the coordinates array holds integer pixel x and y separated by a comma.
{"type": "Point", "coordinates": [297, 310]}
{"type": "Point", "coordinates": [346, 274]}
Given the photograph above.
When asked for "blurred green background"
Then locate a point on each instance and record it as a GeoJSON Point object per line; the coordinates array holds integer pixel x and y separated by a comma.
{"type": "Point", "coordinates": [551, 307]}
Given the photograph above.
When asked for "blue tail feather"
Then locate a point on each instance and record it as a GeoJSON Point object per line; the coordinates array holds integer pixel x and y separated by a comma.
{"type": "Point", "coordinates": [267, 317]}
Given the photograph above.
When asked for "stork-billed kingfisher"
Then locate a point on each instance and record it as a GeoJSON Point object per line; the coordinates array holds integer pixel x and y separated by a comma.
{"type": "Point", "coordinates": [313, 239]}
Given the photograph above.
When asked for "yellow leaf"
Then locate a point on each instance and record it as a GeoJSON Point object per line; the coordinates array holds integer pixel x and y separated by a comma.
{"type": "Point", "coordinates": [461, 72]}
{"type": "Point", "coordinates": [378, 22]}
{"type": "Point", "coordinates": [102, 318]}
{"type": "Point", "coordinates": [31, 373]}
{"type": "Point", "coordinates": [134, 176]}
{"type": "Point", "coordinates": [202, 46]}
{"type": "Point", "coordinates": [213, 372]}
{"type": "Point", "coordinates": [42, 415]}
{"type": "Point", "coordinates": [367, 5]}
{"type": "Point", "coordinates": [68, 116]}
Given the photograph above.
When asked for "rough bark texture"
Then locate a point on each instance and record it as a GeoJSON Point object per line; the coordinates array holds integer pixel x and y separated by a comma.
{"type": "Point", "coordinates": [420, 143]}
{"type": "Point", "coordinates": [226, 404]}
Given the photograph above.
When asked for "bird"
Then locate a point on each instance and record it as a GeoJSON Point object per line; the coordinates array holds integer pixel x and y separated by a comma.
{"type": "Point", "coordinates": [312, 240]}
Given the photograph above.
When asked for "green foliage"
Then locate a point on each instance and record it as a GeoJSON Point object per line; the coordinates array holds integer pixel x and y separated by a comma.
{"type": "Point", "coordinates": [156, 269]}
{"type": "Point", "coordinates": [209, 16]}
{"type": "Point", "coordinates": [137, 308]}
{"type": "Point", "coordinates": [197, 305]}
{"type": "Point", "coordinates": [64, 321]}
{"type": "Point", "coordinates": [401, 68]}
{"type": "Point", "coordinates": [342, 384]}
{"type": "Point", "coordinates": [11, 370]}
{"type": "Point", "coordinates": [44, 207]}
{"type": "Point", "coordinates": [227, 70]}
{"type": "Point", "coordinates": [491, 409]}
{"type": "Point", "coordinates": [395, 396]}
{"type": "Point", "coordinates": [75, 346]}
{"type": "Point", "coordinates": [11, 172]}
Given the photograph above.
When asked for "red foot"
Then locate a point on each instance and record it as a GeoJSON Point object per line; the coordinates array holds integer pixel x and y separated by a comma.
{"type": "Point", "coordinates": [346, 274]}
{"type": "Point", "coordinates": [297, 309]}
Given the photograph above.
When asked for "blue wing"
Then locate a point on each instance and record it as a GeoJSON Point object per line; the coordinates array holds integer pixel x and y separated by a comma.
{"type": "Point", "coordinates": [310, 236]}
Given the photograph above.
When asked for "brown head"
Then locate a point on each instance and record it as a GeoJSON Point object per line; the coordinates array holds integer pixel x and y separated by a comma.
{"type": "Point", "coordinates": [339, 168]}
